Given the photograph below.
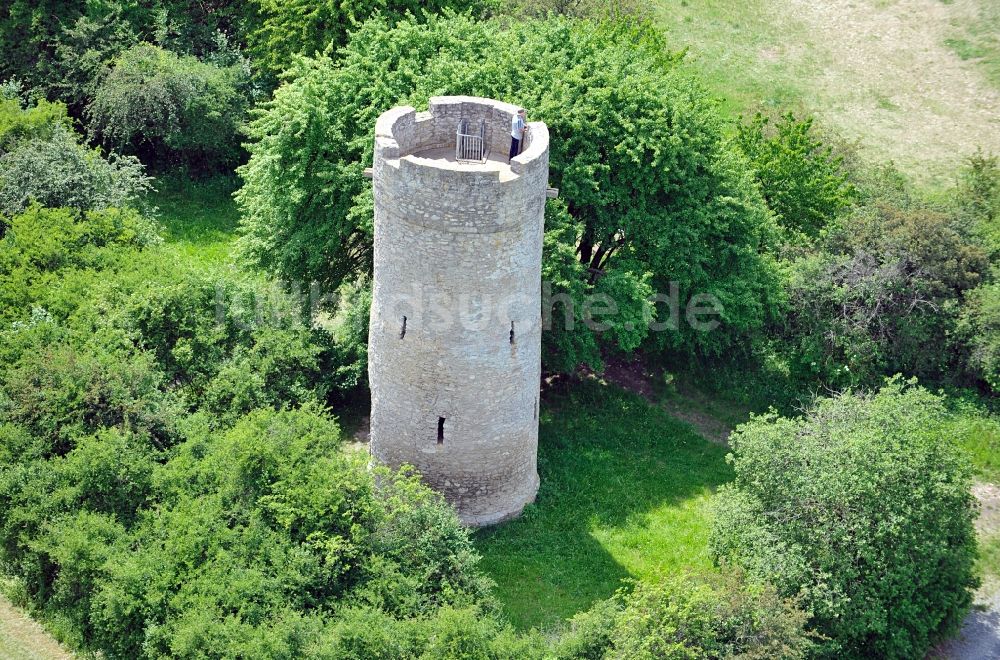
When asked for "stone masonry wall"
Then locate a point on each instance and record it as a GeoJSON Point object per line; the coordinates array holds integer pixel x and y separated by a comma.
{"type": "Point", "coordinates": [458, 253]}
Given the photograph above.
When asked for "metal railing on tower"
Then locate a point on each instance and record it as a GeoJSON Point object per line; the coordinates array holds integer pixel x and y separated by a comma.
{"type": "Point", "coordinates": [470, 144]}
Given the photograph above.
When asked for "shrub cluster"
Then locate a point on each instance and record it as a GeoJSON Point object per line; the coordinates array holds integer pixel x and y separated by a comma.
{"type": "Point", "coordinates": [877, 270]}
{"type": "Point", "coordinates": [170, 484]}
{"type": "Point", "coordinates": [42, 160]}
{"type": "Point", "coordinates": [685, 617]}
{"type": "Point", "coordinates": [161, 104]}
{"type": "Point", "coordinates": [861, 509]}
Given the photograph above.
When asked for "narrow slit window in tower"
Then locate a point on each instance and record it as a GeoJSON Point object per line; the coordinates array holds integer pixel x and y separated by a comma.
{"type": "Point", "coordinates": [512, 332]}
{"type": "Point", "coordinates": [440, 430]}
{"type": "Point", "coordinates": [402, 331]}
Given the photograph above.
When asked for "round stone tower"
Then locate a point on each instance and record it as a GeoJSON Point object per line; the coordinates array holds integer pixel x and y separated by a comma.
{"type": "Point", "coordinates": [455, 335]}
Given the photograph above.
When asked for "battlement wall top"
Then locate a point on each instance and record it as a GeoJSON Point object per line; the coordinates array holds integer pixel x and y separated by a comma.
{"type": "Point", "coordinates": [428, 138]}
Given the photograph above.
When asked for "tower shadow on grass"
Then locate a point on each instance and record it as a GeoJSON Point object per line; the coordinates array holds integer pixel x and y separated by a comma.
{"type": "Point", "coordinates": [625, 493]}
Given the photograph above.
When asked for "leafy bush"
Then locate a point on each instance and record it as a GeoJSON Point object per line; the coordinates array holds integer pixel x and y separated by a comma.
{"type": "Point", "coordinates": [598, 9]}
{"type": "Point", "coordinates": [231, 342]}
{"type": "Point", "coordinates": [685, 617]}
{"type": "Point", "coordinates": [58, 171]}
{"type": "Point", "coordinates": [281, 367]}
{"type": "Point", "coordinates": [294, 523]}
{"type": "Point", "coordinates": [267, 540]}
{"type": "Point", "coordinates": [861, 508]}
{"type": "Point", "coordinates": [219, 340]}
{"type": "Point", "coordinates": [60, 393]}
{"type": "Point", "coordinates": [154, 100]}
{"type": "Point", "coordinates": [43, 245]}
{"type": "Point", "coordinates": [803, 182]}
{"type": "Point", "coordinates": [19, 124]}
{"type": "Point", "coordinates": [653, 200]}
{"type": "Point", "coordinates": [884, 284]}
{"type": "Point", "coordinates": [980, 328]}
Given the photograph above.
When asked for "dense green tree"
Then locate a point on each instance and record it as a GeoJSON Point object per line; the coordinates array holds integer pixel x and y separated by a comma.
{"type": "Point", "coordinates": [84, 54]}
{"type": "Point", "coordinates": [652, 191]}
{"type": "Point", "coordinates": [977, 197]}
{"type": "Point", "coordinates": [298, 27]}
{"type": "Point", "coordinates": [28, 29]}
{"type": "Point", "coordinates": [885, 284]}
{"type": "Point", "coordinates": [803, 182]}
{"type": "Point", "coordinates": [176, 107]}
{"type": "Point", "coordinates": [979, 327]}
{"type": "Point", "coordinates": [861, 508]}
{"type": "Point", "coordinates": [61, 46]}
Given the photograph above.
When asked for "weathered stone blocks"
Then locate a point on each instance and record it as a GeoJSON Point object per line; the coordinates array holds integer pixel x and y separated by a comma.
{"type": "Point", "coordinates": [458, 253]}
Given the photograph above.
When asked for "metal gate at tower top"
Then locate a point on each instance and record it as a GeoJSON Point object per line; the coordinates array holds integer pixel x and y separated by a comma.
{"type": "Point", "coordinates": [470, 144]}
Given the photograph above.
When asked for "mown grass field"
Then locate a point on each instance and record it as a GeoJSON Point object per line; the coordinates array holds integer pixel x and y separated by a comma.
{"type": "Point", "coordinates": [626, 493]}
{"type": "Point", "coordinates": [21, 638]}
{"type": "Point", "coordinates": [913, 81]}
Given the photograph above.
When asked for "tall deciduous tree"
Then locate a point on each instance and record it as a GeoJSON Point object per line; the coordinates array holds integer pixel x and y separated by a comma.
{"type": "Point", "coordinates": [653, 192]}
{"type": "Point", "coordinates": [803, 182]}
{"type": "Point", "coordinates": [288, 28]}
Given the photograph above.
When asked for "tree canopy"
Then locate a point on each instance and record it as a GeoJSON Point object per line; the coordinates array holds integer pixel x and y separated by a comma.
{"type": "Point", "coordinates": [653, 192]}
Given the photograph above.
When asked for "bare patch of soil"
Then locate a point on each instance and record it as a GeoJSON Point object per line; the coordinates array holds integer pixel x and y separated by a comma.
{"type": "Point", "coordinates": [629, 373]}
{"type": "Point", "coordinates": [979, 638]}
{"type": "Point", "coordinates": [361, 436]}
{"type": "Point", "coordinates": [988, 495]}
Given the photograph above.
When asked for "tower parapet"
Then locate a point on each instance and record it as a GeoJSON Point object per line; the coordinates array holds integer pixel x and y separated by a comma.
{"type": "Point", "coordinates": [455, 331]}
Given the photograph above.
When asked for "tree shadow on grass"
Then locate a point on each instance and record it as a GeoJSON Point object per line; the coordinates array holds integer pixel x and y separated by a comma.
{"type": "Point", "coordinates": [624, 493]}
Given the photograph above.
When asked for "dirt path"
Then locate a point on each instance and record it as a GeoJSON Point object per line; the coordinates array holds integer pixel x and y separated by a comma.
{"type": "Point", "coordinates": [883, 74]}
{"type": "Point", "coordinates": [22, 638]}
{"type": "Point", "coordinates": [632, 374]}
{"type": "Point", "coordinates": [980, 635]}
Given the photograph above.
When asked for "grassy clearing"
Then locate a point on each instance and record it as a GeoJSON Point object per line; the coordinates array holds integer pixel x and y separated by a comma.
{"type": "Point", "coordinates": [980, 437]}
{"type": "Point", "coordinates": [625, 493]}
{"type": "Point", "coordinates": [739, 49]}
{"type": "Point", "coordinates": [199, 217]}
{"type": "Point", "coordinates": [913, 81]}
{"type": "Point", "coordinates": [975, 37]}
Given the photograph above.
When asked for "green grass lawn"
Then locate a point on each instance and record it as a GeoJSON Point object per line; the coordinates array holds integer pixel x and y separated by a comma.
{"type": "Point", "coordinates": [625, 493]}
{"type": "Point", "coordinates": [199, 218]}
